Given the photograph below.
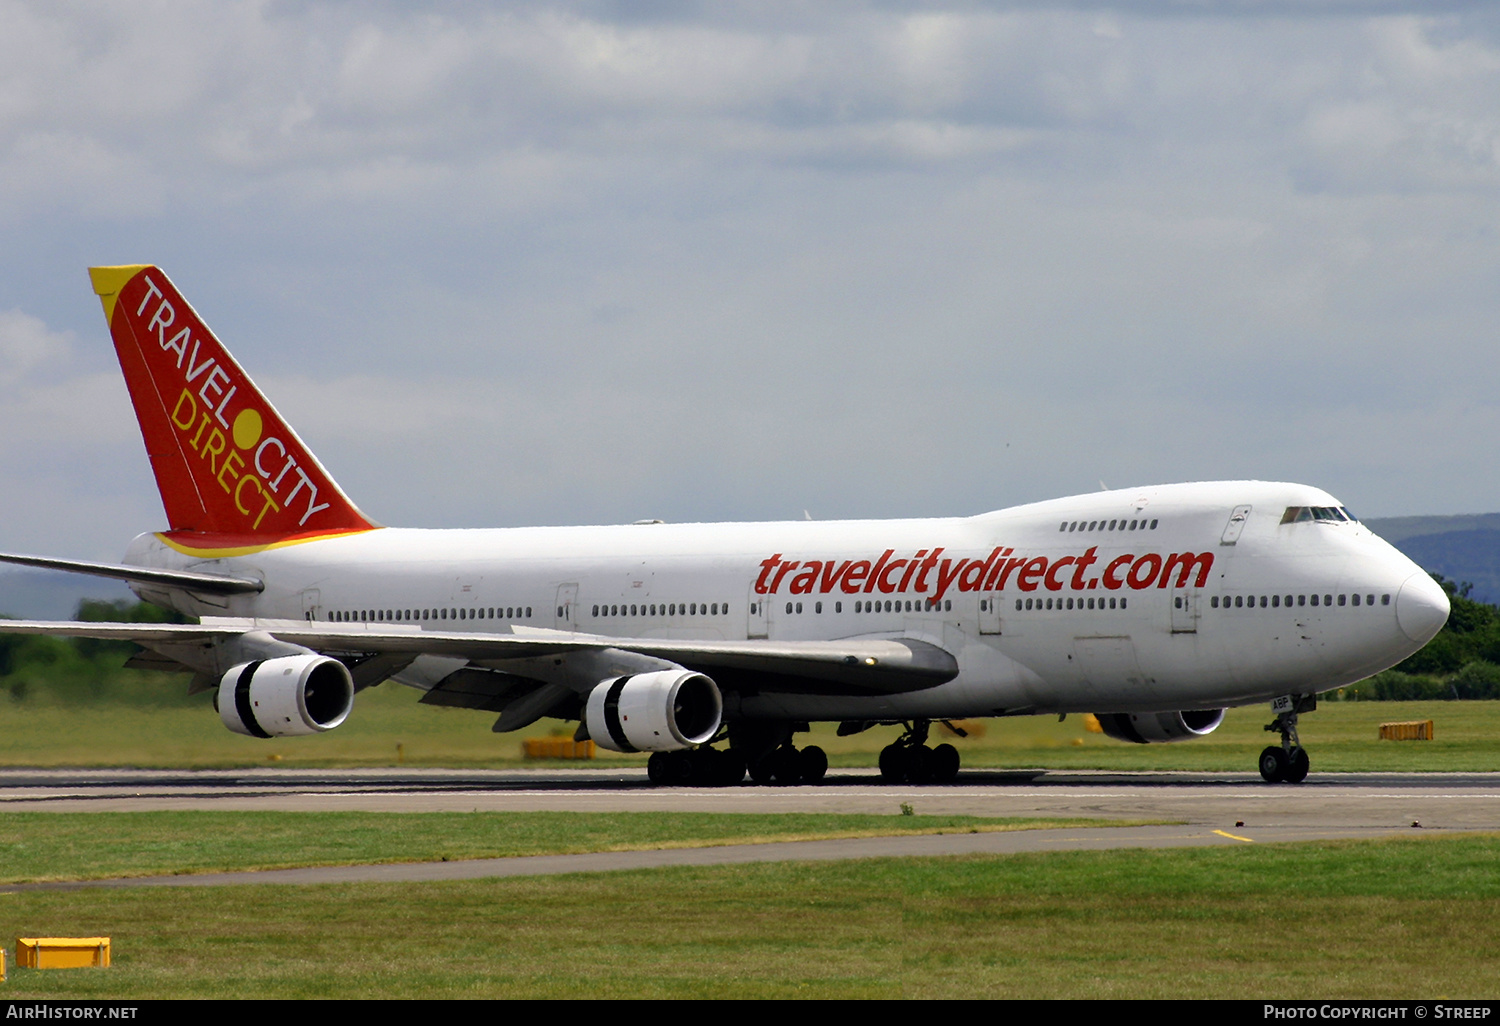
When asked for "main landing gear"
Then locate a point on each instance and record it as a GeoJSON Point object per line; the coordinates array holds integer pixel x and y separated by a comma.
{"type": "Point", "coordinates": [790, 765]}
{"type": "Point", "coordinates": [763, 750]}
{"type": "Point", "coordinates": [770, 756]}
{"type": "Point", "coordinates": [908, 760]}
{"type": "Point", "coordinates": [696, 767]}
{"type": "Point", "coordinates": [1287, 763]}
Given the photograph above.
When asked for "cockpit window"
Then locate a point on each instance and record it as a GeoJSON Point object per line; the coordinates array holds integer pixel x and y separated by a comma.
{"type": "Point", "coordinates": [1322, 514]}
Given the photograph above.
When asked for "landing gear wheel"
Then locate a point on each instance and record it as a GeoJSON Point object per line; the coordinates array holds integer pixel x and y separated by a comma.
{"type": "Point", "coordinates": [944, 764]}
{"type": "Point", "coordinates": [762, 770]}
{"type": "Point", "coordinates": [893, 764]}
{"type": "Point", "coordinates": [656, 768]}
{"type": "Point", "coordinates": [813, 762]}
{"type": "Point", "coordinates": [786, 766]}
{"type": "Point", "coordinates": [1297, 767]}
{"type": "Point", "coordinates": [732, 768]}
{"type": "Point", "coordinates": [919, 765]}
{"type": "Point", "coordinates": [1274, 764]}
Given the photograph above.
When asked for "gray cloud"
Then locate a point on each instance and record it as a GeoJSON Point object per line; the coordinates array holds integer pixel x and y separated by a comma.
{"type": "Point", "coordinates": [510, 264]}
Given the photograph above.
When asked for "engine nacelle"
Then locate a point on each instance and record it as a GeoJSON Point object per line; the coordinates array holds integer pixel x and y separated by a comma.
{"type": "Point", "coordinates": [285, 697]}
{"type": "Point", "coordinates": [1159, 727]}
{"type": "Point", "coordinates": [660, 711]}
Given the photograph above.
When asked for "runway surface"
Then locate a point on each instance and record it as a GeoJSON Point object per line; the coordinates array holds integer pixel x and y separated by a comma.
{"type": "Point", "coordinates": [1203, 809]}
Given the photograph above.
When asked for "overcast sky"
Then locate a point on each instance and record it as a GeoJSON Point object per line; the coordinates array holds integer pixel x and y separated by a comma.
{"type": "Point", "coordinates": [593, 262]}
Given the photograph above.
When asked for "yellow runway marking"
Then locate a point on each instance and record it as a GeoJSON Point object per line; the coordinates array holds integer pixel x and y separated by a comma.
{"type": "Point", "coordinates": [1235, 837]}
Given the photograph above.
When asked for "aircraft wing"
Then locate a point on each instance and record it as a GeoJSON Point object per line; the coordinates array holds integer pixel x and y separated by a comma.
{"type": "Point", "coordinates": [867, 665]}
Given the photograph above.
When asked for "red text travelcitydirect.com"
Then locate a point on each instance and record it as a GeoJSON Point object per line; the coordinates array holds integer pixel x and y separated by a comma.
{"type": "Point", "coordinates": [929, 571]}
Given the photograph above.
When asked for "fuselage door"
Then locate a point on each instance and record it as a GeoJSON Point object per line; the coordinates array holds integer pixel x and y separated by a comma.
{"type": "Point", "coordinates": [989, 614]}
{"type": "Point", "coordinates": [567, 607]}
{"type": "Point", "coordinates": [1185, 611]}
{"type": "Point", "coordinates": [312, 601]}
{"type": "Point", "coordinates": [758, 611]}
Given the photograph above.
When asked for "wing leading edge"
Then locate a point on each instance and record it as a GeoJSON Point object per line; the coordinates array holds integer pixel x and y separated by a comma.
{"type": "Point", "coordinates": [854, 666]}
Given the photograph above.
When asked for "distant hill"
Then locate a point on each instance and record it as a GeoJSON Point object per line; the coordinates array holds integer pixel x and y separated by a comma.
{"type": "Point", "coordinates": [1461, 548]}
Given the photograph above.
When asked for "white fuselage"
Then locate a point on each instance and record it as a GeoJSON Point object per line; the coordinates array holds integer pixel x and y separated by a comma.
{"type": "Point", "coordinates": [1191, 596]}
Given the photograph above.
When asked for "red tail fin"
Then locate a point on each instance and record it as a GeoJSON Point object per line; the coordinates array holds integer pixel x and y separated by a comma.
{"type": "Point", "coordinates": [225, 461]}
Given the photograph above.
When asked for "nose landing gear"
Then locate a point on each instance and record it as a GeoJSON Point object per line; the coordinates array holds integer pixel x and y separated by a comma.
{"type": "Point", "coordinates": [1288, 762]}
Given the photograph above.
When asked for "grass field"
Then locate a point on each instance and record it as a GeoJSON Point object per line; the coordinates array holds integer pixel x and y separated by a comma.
{"type": "Point", "coordinates": [38, 846]}
{"type": "Point", "coordinates": [1342, 736]}
{"type": "Point", "coordinates": [1400, 919]}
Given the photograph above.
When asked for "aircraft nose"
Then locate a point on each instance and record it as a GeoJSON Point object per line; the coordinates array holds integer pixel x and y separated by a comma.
{"type": "Point", "coordinates": [1421, 608]}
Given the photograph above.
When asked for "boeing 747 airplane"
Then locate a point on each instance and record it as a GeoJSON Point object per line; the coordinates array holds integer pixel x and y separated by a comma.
{"type": "Point", "coordinates": [712, 646]}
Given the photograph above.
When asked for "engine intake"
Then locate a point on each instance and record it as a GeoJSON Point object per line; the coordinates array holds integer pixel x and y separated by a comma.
{"type": "Point", "coordinates": [660, 711]}
{"type": "Point", "coordinates": [1160, 727]}
{"type": "Point", "coordinates": [285, 697]}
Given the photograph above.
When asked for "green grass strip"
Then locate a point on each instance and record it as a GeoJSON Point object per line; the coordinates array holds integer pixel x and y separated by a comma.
{"type": "Point", "coordinates": [1391, 920]}
{"type": "Point", "coordinates": [37, 846]}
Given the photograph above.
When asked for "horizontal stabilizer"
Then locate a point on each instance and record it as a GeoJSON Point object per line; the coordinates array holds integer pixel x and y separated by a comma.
{"type": "Point", "coordinates": [216, 584]}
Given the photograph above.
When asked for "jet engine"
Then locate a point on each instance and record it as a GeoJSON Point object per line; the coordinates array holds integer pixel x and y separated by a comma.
{"type": "Point", "coordinates": [1159, 727]}
{"type": "Point", "coordinates": [661, 711]}
{"type": "Point", "coordinates": [285, 697]}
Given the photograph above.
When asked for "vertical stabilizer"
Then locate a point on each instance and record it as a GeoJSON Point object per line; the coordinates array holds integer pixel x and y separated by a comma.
{"type": "Point", "coordinates": [225, 462]}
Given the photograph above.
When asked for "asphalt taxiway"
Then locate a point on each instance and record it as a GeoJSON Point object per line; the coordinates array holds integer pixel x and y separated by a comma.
{"type": "Point", "coordinates": [1194, 809]}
